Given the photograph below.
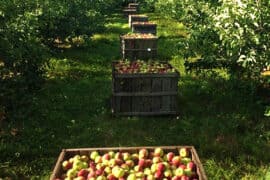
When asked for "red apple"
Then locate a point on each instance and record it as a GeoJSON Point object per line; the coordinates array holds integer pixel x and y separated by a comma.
{"type": "Point", "coordinates": [158, 175]}
{"type": "Point", "coordinates": [170, 156]}
{"type": "Point", "coordinates": [191, 165]}
{"type": "Point", "coordinates": [66, 165]}
{"type": "Point", "coordinates": [83, 172]}
{"type": "Point", "coordinates": [176, 160]}
{"type": "Point", "coordinates": [160, 167]}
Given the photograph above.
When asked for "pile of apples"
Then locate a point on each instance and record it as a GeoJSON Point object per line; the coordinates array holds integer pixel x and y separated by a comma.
{"type": "Point", "coordinates": [138, 36]}
{"type": "Point", "coordinates": [143, 165]}
{"type": "Point", "coordinates": [127, 67]}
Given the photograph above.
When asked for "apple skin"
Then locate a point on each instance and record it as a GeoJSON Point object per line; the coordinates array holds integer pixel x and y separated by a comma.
{"type": "Point", "coordinates": [176, 178]}
{"type": "Point", "coordinates": [93, 155]}
{"type": "Point", "coordinates": [192, 166]}
{"type": "Point", "coordinates": [130, 163]}
{"type": "Point", "coordinates": [179, 172]}
{"type": "Point", "coordinates": [111, 177]}
{"type": "Point", "coordinates": [150, 177]}
{"type": "Point", "coordinates": [176, 160]}
{"type": "Point", "coordinates": [118, 155]}
{"type": "Point", "coordinates": [111, 153]}
{"type": "Point", "coordinates": [185, 177]}
{"type": "Point", "coordinates": [143, 153]}
{"type": "Point", "coordinates": [170, 156]}
{"type": "Point", "coordinates": [157, 160]}
{"type": "Point", "coordinates": [160, 167]}
{"type": "Point", "coordinates": [66, 165]}
{"type": "Point", "coordinates": [141, 163]}
{"type": "Point", "coordinates": [158, 175]}
{"type": "Point", "coordinates": [84, 158]}
{"type": "Point", "coordinates": [80, 178]}
{"type": "Point", "coordinates": [101, 178]}
{"type": "Point", "coordinates": [168, 173]}
{"type": "Point", "coordinates": [126, 156]}
{"type": "Point", "coordinates": [83, 172]}
{"type": "Point", "coordinates": [71, 173]}
{"type": "Point", "coordinates": [131, 177]}
{"type": "Point", "coordinates": [158, 152]}
{"type": "Point", "coordinates": [184, 152]}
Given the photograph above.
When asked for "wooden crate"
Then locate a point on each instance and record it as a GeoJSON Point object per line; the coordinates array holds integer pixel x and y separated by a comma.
{"type": "Point", "coordinates": [139, 48]}
{"type": "Point", "coordinates": [134, 5]}
{"type": "Point", "coordinates": [137, 18]}
{"type": "Point", "coordinates": [142, 94]}
{"type": "Point", "coordinates": [68, 153]}
{"type": "Point", "coordinates": [146, 28]}
{"type": "Point", "coordinates": [129, 11]}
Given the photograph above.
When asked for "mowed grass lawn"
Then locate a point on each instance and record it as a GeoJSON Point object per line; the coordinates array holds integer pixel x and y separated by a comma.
{"type": "Point", "coordinates": [220, 117]}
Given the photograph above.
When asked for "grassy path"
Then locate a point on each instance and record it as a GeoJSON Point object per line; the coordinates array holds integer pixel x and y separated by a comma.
{"type": "Point", "coordinates": [73, 110]}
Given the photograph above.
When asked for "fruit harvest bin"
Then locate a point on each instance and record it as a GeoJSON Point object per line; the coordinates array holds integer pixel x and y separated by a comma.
{"type": "Point", "coordinates": [144, 27]}
{"type": "Point", "coordinates": [134, 5]}
{"type": "Point", "coordinates": [144, 93]}
{"type": "Point", "coordinates": [139, 46]}
{"type": "Point", "coordinates": [68, 153]}
{"type": "Point", "coordinates": [137, 18]}
{"type": "Point", "coordinates": [129, 11]}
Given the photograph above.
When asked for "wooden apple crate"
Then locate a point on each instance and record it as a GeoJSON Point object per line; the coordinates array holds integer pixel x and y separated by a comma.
{"type": "Point", "coordinates": [150, 28]}
{"type": "Point", "coordinates": [134, 5]}
{"type": "Point", "coordinates": [144, 94]}
{"type": "Point", "coordinates": [137, 18]}
{"type": "Point", "coordinates": [68, 153]}
{"type": "Point", "coordinates": [129, 11]}
{"type": "Point", "coordinates": [139, 48]}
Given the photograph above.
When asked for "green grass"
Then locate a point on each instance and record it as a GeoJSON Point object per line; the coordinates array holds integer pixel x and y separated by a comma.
{"type": "Point", "coordinates": [220, 117]}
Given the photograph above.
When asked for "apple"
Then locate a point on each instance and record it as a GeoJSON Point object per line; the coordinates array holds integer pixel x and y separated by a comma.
{"type": "Point", "coordinates": [130, 163]}
{"type": "Point", "coordinates": [160, 167]}
{"type": "Point", "coordinates": [118, 155]}
{"type": "Point", "coordinates": [157, 160]}
{"type": "Point", "coordinates": [176, 178]}
{"type": "Point", "coordinates": [83, 172]}
{"type": "Point", "coordinates": [112, 154]}
{"type": "Point", "coordinates": [71, 173]}
{"type": "Point", "coordinates": [176, 160]}
{"type": "Point", "coordinates": [168, 173]}
{"type": "Point", "coordinates": [108, 170]}
{"type": "Point", "coordinates": [179, 171]}
{"type": "Point", "coordinates": [191, 165]}
{"type": "Point", "coordinates": [185, 160]}
{"type": "Point", "coordinates": [111, 177]}
{"type": "Point", "coordinates": [141, 163]}
{"type": "Point", "coordinates": [118, 172]}
{"type": "Point", "coordinates": [93, 155]}
{"type": "Point", "coordinates": [158, 175]}
{"type": "Point", "coordinates": [101, 178]}
{"type": "Point", "coordinates": [188, 172]}
{"type": "Point", "coordinates": [184, 152]}
{"type": "Point", "coordinates": [170, 156]}
{"type": "Point", "coordinates": [158, 151]}
{"type": "Point", "coordinates": [126, 156]}
{"type": "Point", "coordinates": [147, 171]}
{"type": "Point", "coordinates": [84, 158]}
{"type": "Point", "coordinates": [80, 178]}
{"type": "Point", "coordinates": [150, 177]}
{"type": "Point", "coordinates": [143, 153]}
{"type": "Point", "coordinates": [154, 168]}
{"type": "Point", "coordinates": [66, 165]}
{"type": "Point", "coordinates": [131, 177]}
{"type": "Point", "coordinates": [98, 159]}
{"type": "Point", "coordinates": [185, 178]}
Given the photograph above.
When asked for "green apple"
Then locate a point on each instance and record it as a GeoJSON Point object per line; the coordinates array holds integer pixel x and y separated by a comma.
{"type": "Point", "coordinates": [93, 155]}
{"type": "Point", "coordinates": [72, 173]}
{"type": "Point", "coordinates": [118, 172]}
{"type": "Point", "coordinates": [168, 173]}
{"type": "Point", "coordinates": [101, 178]}
{"type": "Point", "coordinates": [111, 153]}
{"type": "Point", "coordinates": [84, 158]}
{"type": "Point", "coordinates": [150, 177]}
{"type": "Point", "coordinates": [131, 177]}
{"type": "Point", "coordinates": [184, 152]}
{"type": "Point", "coordinates": [147, 171]}
{"type": "Point", "coordinates": [179, 172]}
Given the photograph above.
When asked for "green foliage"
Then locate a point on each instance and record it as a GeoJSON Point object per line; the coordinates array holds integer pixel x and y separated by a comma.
{"type": "Point", "coordinates": [231, 31]}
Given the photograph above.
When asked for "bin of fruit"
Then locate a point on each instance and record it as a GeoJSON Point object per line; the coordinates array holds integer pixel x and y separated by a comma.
{"type": "Point", "coordinates": [129, 11]}
{"type": "Point", "coordinates": [129, 163]}
{"type": "Point", "coordinates": [144, 27]}
{"type": "Point", "coordinates": [137, 18]}
{"type": "Point", "coordinates": [144, 88]}
{"type": "Point", "coordinates": [139, 46]}
{"type": "Point", "coordinates": [134, 5]}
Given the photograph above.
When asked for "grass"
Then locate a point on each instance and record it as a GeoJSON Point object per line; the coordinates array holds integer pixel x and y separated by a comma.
{"type": "Point", "coordinates": [222, 118]}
